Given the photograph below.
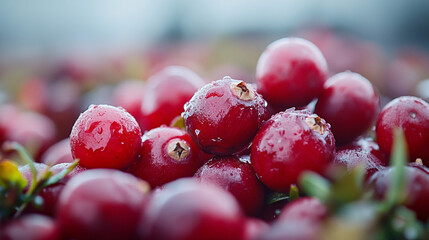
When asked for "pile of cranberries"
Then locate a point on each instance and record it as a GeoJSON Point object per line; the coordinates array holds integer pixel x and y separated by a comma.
{"type": "Point", "coordinates": [177, 157]}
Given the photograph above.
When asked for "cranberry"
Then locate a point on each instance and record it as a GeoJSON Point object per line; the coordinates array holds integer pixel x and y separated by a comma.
{"type": "Point", "coordinates": [33, 130]}
{"type": "Point", "coordinates": [167, 153]}
{"type": "Point", "coordinates": [187, 209]}
{"type": "Point", "coordinates": [304, 208]}
{"type": "Point", "coordinates": [60, 152]}
{"type": "Point", "coordinates": [290, 143]}
{"type": "Point", "coordinates": [165, 94]}
{"type": "Point", "coordinates": [31, 226]}
{"type": "Point", "coordinates": [412, 115]}
{"type": "Point", "coordinates": [224, 116]}
{"type": "Point", "coordinates": [255, 227]}
{"type": "Point", "coordinates": [350, 104]}
{"type": "Point", "coordinates": [300, 219]}
{"type": "Point", "coordinates": [49, 194]}
{"type": "Point", "coordinates": [105, 137]}
{"type": "Point", "coordinates": [101, 204]}
{"type": "Point", "coordinates": [59, 100]}
{"type": "Point", "coordinates": [416, 190]}
{"type": "Point", "coordinates": [129, 95]}
{"type": "Point", "coordinates": [238, 178]}
{"type": "Point", "coordinates": [291, 73]}
{"type": "Point", "coordinates": [364, 151]}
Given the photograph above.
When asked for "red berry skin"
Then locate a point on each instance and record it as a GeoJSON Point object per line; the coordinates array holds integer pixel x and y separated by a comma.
{"type": "Point", "coordinates": [300, 219]}
{"type": "Point", "coordinates": [186, 209]}
{"type": "Point", "coordinates": [290, 143]}
{"type": "Point", "coordinates": [60, 152]}
{"type": "Point", "coordinates": [101, 204]}
{"type": "Point", "coordinates": [238, 178]}
{"type": "Point", "coordinates": [350, 104]}
{"type": "Point", "coordinates": [416, 190]}
{"type": "Point", "coordinates": [304, 208]}
{"type": "Point", "coordinates": [291, 72]}
{"type": "Point", "coordinates": [255, 227]}
{"type": "Point", "coordinates": [412, 115]}
{"type": "Point", "coordinates": [165, 94]}
{"type": "Point", "coordinates": [364, 151]}
{"type": "Point", "coordinates": [224, 116]}
{"type": "Point", "coordinates": [162, 160]}
{"type": "Point", "coordinates": [128, 94]}
{"type": "Point", "coordinates": [30, 227]}
{"type": "Point", "coordinates": [105, 137]}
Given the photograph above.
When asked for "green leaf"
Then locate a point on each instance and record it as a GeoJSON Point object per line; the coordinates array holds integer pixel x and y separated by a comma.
{"type": "Point", "coordinates": [10, 175]}
{"type": "Point", "coordinates": [396, 192]}
{"type": "Point", "coordinates": [276, 197]}
{"type": "Point", "coordinates": [315, 185]}
{"type": "Point", "coordinates": [57, 177]}
{"type": "Point", "coordinates": [349, 187]}
{"type": "Point", "coordinates": [179, 122]}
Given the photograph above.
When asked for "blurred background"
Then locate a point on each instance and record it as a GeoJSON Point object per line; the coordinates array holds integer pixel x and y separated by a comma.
{"type": "Point", "coordinates": [57, 57]}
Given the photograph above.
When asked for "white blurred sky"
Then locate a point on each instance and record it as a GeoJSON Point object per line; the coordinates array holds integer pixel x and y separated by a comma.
{"type": "Point", "coordinates": [31, 27]}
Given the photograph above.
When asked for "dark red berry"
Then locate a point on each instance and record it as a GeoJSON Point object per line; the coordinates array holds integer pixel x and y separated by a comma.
{"type": "Point", "coordinates": [412, 115]}
{"type": "Point", "coordinates": [224, 116]}
{"type": "Point", "coordinates": [300, 219]}
{"type": "Point", "coordinates": [60, 152]}
{"type": "Point", "coordinates": [50, 194]}
{"type": "Point", "coordinates": [105, 137]}
{"type": "Point", "coordinates": [165, 94]}
{"type": "Point", "coordinates": [364, 151]}
{"type": "Point", "coordinates": [101, 204]}
{"type": "Point", "coordinates": [187, 209]}
{"type": "Point", "coordinates": [290, 143]}
{"type": "Point", "coordinates": [350, 104]}
{"type": "Point", "coordinates": [238, 178]}
{"type": "Point", "coordinates": [416, 188]}
{"type": "Point", "coordinates": [167, 154]}
{"type": "Point", "coordinates": [307, 208]}
{"type": "Point", "coordinates": [291, 72]}
{"type": "Point", "coordinates": [31, 226]}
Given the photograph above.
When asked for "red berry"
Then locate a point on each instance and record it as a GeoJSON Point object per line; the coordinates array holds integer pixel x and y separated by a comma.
{"type": "Point", "coordinates": [350, 104]}
{"type": "Point", "coordinates": [128, 94]}
{"type": "Point", "coordinates": [187, 209]}
{"type": "Point", "coordinates": [224, 116]}
{"type": "Point", "coordinates": [105, 137]}
{"type": "Point", "coordinates": [416, 189]}
{"type": "Point", "coordinates": [101, 204]}
{"type": "Point", "coordinates": [165, 94]}
{"type": "Point", "coordinates": [307, 208]}
{"type": "Point", "coordinates": [167, 154]}
{"type": "Point", "coordinates": [412, 115]}
{"type": "Point", "coordinates": [255, 227]}
{"type": "Point", "coordinates": [238, 178]}
{"type": "Point", "coordinates": [290, 143]}
{"type": "Point", "coordinates": [60, 152]}
{"type": "Point", "coordinates": [291, 73]}
{"type": "Point", "coordinates": [31, 226]}
{"type": "Point", "coordinates": [364, 151]}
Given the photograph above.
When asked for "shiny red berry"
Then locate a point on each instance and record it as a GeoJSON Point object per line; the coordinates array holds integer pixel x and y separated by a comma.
{"type": "Point", "coordinates": [31, 226]}
{"type": "Point", "coordinates": [290, 143]}
{"type": "Point", "coordinates": [165, 94]}
{"type": "Point", "coordinates": [416, 188]}
{"type": "Point", "coordinates": [105, 137]}
{"type": "Point", "coordinates": [224, 116]}
{"type": "Point", "coordinates": [412, 115]}
{"type": "Point", "coordinates": [364, 151]}
{"type": "Point", "coordinates": [186, 209]}
{"type": "Point", "coordinates": [167, 154]}
{"type": "Point", "coordinates": [291, 72]}
{"type": "Point", "coordinates": [238, 178]}
{"type": "Point", "coordinates": [350, 104]}
{"type": "Point", "coordinates": [101, 204]}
